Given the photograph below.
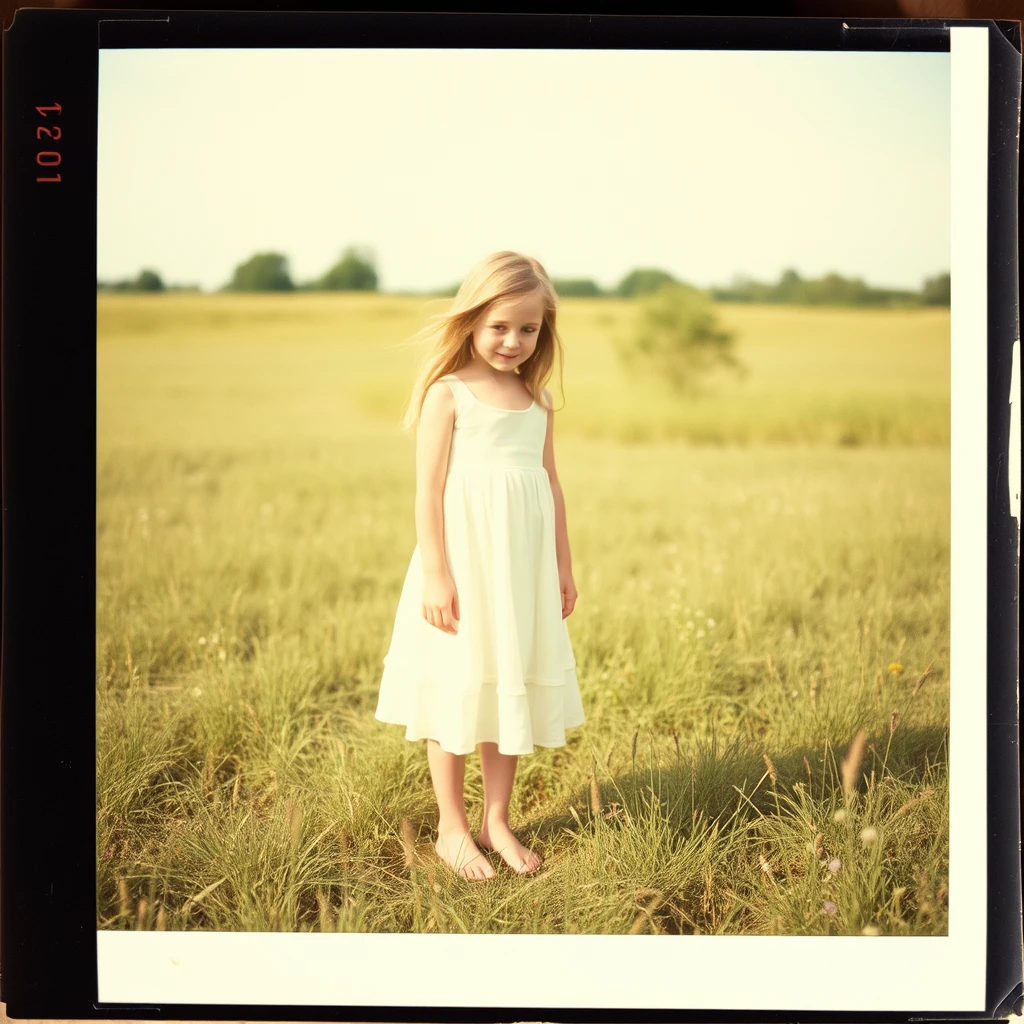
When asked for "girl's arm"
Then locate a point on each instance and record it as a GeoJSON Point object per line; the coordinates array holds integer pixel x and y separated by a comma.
{"type": "Point", "coordinates": [562, 552]}
{"type": "Point", "coordinates": [433, 441]}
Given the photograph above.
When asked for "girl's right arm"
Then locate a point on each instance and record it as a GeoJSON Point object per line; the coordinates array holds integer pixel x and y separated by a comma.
{"type": "Point", "coordinates": [433, 442]}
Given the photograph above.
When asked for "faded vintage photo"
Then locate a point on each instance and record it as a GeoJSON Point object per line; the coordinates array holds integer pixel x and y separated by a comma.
{"type": "Point", "coordinates": [606, 396]}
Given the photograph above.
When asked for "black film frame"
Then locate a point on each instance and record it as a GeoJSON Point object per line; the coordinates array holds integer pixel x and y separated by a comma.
{"type": "Point", "coordinates": [49, 488]}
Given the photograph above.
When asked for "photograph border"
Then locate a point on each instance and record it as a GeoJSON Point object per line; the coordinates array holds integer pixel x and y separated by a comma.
{"type": "Point", "coordinates": [49, 479]}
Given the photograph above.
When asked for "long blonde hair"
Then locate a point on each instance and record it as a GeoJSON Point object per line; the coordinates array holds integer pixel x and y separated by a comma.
{"type": "Point", "coordinates": [448, 337]}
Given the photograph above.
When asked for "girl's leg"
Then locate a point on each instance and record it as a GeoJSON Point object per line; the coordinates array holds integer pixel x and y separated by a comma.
{"type": "Point", "coordinates": [499, 771]}
{"type": "Point", "coordinates": [454, 844]}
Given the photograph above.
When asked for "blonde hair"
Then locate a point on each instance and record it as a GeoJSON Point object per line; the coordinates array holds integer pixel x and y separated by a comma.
{"type": "Point", "coordinates": [448, 337]}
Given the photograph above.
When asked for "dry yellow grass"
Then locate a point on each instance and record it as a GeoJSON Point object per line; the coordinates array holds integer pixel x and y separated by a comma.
{"type": "Point", "coordinates": [254, 523]}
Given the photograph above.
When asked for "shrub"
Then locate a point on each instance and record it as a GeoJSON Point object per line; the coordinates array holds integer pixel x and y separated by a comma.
{"type": "Point", "coordinates": [678, 337]}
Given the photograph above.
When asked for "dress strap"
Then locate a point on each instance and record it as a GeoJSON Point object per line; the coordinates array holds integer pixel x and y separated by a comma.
{"type": "Point", "coordinates": [463, 396]}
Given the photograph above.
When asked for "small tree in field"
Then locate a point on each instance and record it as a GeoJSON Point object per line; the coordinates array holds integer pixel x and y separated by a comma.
{"type": "Point", "coordinates": [678, 338]}
{"type": "Point", "coordinates": [264, 272]}
{"type": "Point", "coordinates": [148, 281]}
{"type": "Point", "coordinates": [354, 272]}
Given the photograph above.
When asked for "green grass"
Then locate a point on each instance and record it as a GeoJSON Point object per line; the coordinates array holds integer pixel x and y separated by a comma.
{"type": "Point", "coordinates": [740, 599]}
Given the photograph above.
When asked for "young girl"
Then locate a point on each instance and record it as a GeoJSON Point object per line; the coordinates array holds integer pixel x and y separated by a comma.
{"type": "Point", "coordinates": [480, 655]}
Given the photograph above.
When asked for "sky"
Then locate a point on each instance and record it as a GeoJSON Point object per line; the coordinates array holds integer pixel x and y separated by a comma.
{"type": "Point", "coordinates": [708, 164]}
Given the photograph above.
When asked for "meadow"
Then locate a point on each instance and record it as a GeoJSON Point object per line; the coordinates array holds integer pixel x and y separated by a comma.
{"type": "Point", "coordinates": [762, 634]}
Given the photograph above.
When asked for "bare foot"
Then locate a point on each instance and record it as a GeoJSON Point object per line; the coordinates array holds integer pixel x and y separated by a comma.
{"type": "Point", "coordinates": [462, 855]}
{"type": "Point", "coordinates": [500, 838]}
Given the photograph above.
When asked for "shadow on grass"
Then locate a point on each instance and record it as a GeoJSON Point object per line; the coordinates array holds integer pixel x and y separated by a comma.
{"type": "Point", "coordinates": [717, 780]}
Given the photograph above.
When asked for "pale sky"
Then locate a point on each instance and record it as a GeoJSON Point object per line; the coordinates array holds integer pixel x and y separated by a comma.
{"type": "Point", "coordinates": [705, 163]}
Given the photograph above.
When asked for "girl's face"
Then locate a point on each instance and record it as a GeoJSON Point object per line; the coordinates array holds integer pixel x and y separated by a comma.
{"type": "Point", "coordinates": [506, 333]}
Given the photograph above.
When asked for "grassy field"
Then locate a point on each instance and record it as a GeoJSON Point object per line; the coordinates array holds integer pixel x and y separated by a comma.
{"type": "Point", "coordinates": [763, 572]}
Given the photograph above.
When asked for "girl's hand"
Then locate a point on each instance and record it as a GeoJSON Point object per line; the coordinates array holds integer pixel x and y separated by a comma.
{"type": "Point", "coordinates": [569, 594]}
{"type": "Point", "coordinates": [441, 602]}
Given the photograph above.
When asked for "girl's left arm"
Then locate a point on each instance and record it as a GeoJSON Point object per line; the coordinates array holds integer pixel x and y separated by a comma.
{"type": "Point", "coordinates": [562, 554]}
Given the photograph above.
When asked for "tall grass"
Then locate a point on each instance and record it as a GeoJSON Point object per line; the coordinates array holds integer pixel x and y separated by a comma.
{"type": "Point", "coordinates": [745, 612]}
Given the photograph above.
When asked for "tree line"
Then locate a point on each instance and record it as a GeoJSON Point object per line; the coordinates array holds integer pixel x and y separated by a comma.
{"type": "Point", "coordinates": [355, 270]}
{"type": "Point", "coordinates": [830, 290]}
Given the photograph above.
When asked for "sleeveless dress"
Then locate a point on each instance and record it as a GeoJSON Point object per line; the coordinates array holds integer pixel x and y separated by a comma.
{"type": "Point", "coordinates": [508, 676]}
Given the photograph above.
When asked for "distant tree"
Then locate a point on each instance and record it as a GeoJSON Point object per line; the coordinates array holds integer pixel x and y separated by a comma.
{"type": "Point", "coordinates": [789, 288]}
{"type": "Point", "coordinates": [354, 272]}
{"type": "Point", "coordinates": [642, 282]}
{"type": "Point", "coordinates": [831, 290]}
{"type": "Point", "coordinates": [742, 289]}
{"type": "Point", "coordinates": [148, 281]}
{"type": "Point", "coordinates": [445, 293]}
{"type": "Point", "coordinates": [936, 291]}
{"type": "Point", "coordinates": [678, 338]}
{"type": "Point", "coordinates": [576, 287]}
{"type": "Point", "coordinates": [145, 281]}
{"type": "Point", "coordinates": [264, 272]}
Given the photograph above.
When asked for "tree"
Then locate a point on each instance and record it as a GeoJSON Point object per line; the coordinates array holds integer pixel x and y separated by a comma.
{"type": "Point", "coordinates": [574, 287]}
{"type": "Point", "coordinates": [789, 288]}
{"type": "Point", "coordinates": [678, 338]}
{"type": "Point", "coordinates": [643, 281]}
{"type": "Point", "coordinates": [354, 272]}
{"type": "Point", "coordinates": [148, 281]}
{"type": "Point", "coordinates": [264, 272]}
{"type": "Point", "coordinates": [936, 291]}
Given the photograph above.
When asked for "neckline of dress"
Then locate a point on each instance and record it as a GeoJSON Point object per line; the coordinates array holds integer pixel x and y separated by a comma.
{"type": "Point", "coordinates": [487, 405]}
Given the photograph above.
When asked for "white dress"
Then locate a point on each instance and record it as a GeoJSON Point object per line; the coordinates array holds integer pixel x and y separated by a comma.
{"type": "Point", "coordinates": [508, 676]}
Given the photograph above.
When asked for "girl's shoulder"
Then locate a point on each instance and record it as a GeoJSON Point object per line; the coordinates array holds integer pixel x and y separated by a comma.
{"type": "Point", "coordinates": [438, 398]}
{"type": "Point", "coordinates": [545, 400]}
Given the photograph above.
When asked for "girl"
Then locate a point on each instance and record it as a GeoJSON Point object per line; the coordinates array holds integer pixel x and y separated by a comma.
{"type": "Point", "coordinates": [480, 655]}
